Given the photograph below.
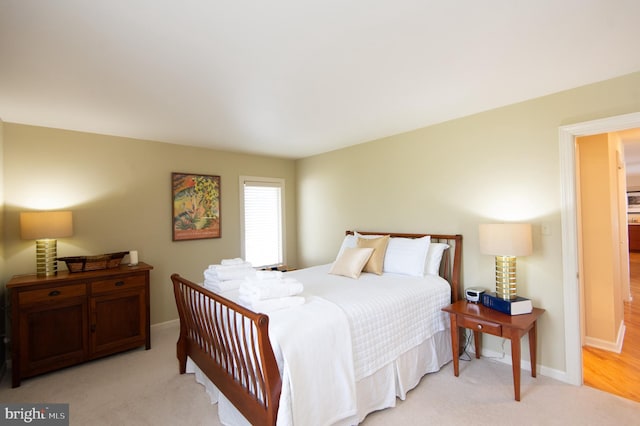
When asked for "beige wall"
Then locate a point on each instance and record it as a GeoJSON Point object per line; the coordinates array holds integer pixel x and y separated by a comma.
{"type": "Point", "coordinates": [633, 182]}
{"type": "Point", "coordinates": [2, 262]}
{"type": "Point", "coordinates": [601, 272]}
{"type": "Point", "coordinates": [500, 165]}
{"type": "Point", "coordinates": [119, 190]}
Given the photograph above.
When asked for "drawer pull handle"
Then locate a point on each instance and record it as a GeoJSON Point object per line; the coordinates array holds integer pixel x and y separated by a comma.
{"type": "Point", "coordinates": [54, 293]}
{"type": "Point", "coordinates": [119, 283]}
{"type": "Point", "coordinates": [479, 326]}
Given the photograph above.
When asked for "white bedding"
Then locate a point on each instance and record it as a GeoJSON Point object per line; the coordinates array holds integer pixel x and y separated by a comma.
{"type": "Point", "coordinates": [316, 335]}
{"type": "Point", "coordinates": [380, 335]}
{"type": "Point", "coordinates": [388, 314]}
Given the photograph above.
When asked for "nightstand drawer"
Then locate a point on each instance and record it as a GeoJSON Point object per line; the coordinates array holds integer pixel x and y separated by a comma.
{"type": "Point", "coordinates": [52, 294]}
{"type": "Point", "coordinates": [479, 325]}
{"type": "Point", "coordinates": [123, 283]}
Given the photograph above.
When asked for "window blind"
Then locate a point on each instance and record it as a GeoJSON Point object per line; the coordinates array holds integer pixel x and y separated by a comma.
{"type": "Point", "coordinates": [263, 227]}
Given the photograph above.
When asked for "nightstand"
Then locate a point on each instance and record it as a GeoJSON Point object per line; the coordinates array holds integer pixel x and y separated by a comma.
{"type": "Point", "coordinates": [481, 319]}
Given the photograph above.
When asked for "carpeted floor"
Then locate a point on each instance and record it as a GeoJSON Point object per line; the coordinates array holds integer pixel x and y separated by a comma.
{"type": "Point", "coordinates": [144, 388]}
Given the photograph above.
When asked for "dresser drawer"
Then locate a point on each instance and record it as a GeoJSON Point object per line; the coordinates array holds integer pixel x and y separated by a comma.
{"type": "Point", "coordinates": [123, 283]}
{"type": "Point", "coordinates": [480, 325]}
{"type": "Point", "coordinates": [52, 294]}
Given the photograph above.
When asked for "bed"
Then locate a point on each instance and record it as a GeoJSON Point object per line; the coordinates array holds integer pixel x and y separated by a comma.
{"type": "Point", "coordinates": [364, 341]}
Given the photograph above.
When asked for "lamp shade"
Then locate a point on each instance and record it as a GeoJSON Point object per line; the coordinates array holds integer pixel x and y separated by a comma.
{"type": "Point", "coordinates": [50, 224]}
{"type": "Point", "coordinates": [506, 239]}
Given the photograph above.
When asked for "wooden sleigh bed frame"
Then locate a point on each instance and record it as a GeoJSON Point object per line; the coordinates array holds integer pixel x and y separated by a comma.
{"type": "Point", "coordinates": [230, 343]}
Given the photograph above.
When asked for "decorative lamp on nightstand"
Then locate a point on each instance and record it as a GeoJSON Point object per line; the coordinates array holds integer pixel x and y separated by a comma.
{"type": "Point", "coordinates": [506, 241]}
{"type": "Point", "coordinates": [45, 227]}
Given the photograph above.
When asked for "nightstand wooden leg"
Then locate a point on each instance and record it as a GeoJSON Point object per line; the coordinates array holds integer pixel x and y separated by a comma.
{"type": "Point", "coordinates": [515, 362]}
{"type": "Point", "coordinates": [476, 342]}
{"type": "Point", "coordinates": [455, 344]}
{"type": "Point", "coordinates": [532, 348]}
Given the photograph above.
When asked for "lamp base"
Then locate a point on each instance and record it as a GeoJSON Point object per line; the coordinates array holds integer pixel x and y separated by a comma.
{"type": "Point", "coordinates": [506, 277]}
{"type": "Point", "coordinates": [46, 257]}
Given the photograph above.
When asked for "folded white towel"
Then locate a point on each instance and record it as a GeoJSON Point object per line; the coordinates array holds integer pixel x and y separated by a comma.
{"type": "Point", "coordinates": [234, 261]}
{"type": "Point", "coordinates": [267, 275]}
{"type": "Point", "coordinates": [218, 268]}
{"type": "Point", "coordinates": [231, 272]}
{"type": "Point", "coordinates": [270, 289]}
{"type": "Point", "coordinates": [218, 286]}
{"type": "Point", "coordinates": [270, 305]}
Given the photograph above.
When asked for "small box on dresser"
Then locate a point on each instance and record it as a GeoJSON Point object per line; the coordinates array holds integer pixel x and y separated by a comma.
{"type": "Point", "coordinates": [66, 319]}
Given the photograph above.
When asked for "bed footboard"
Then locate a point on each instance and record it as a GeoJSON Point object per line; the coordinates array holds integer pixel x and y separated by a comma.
{"type": "Point", "coordinates": [230, 344]}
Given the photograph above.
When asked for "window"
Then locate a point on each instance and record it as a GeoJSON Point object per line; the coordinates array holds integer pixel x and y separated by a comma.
{"type": "Point", "coordinates": [262, 220]}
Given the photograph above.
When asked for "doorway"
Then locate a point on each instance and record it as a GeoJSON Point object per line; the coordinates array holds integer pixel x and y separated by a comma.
{"type": "Point", "coordinates": [571, 286]}
{"type": "Point", "coordinates": [611, 365]}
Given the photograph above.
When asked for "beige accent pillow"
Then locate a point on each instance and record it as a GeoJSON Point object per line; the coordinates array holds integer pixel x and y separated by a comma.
{"type": "Point", "coordinates": [351, 262]}
{"type": "Point", "coordinates": [379, 246]}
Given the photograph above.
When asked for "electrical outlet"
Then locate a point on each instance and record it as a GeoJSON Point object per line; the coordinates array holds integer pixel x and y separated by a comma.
{"type": "Point", "coordinates": [545, 229]}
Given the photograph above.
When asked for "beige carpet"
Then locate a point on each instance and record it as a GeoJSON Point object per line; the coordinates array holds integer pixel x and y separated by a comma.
{"type": "Point", "coordinates": [144, 388]}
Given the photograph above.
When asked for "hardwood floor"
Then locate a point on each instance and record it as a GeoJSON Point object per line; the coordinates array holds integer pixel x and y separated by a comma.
{"type": "Point", "coordinates": [619, 373]}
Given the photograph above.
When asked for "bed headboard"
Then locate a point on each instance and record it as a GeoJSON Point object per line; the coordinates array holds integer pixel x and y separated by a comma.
{"type": "Point", "coordinates": [451, 259]}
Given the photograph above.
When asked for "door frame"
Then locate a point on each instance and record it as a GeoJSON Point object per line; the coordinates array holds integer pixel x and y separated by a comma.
{"type": "Point", "coordinates": [570, 231]}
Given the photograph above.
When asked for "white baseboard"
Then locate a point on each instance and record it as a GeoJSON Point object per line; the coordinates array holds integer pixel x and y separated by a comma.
{"type": "Point", "coordinates": [525, 365]}
{"type": "Point", "coordinates": [163, 325]}
{"type": "Point", "coordinates": [607, 345]}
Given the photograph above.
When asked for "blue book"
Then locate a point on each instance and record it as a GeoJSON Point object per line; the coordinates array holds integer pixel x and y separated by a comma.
{"type": "Point", "coordinates": [518, 306]}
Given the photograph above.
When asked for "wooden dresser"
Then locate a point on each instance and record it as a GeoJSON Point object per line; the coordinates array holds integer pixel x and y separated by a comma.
{"type": "Point", "coordinates": [70, 318]}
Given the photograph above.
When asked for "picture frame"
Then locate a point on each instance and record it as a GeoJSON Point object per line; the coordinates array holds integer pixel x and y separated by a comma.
{"type": "Point", "coordinates": [633, 201]}
{"type": "Point", "coordinates": [196, 206]}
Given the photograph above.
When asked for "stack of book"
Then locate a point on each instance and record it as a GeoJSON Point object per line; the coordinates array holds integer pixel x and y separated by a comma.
{"type": "Point", "coordinates": [518, 306]}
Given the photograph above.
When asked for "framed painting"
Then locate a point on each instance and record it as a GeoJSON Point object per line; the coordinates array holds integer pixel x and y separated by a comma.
{"type": "Point", "coordinates": [196, 206]}
{"type": "Point", "coordinates": [633, 202]}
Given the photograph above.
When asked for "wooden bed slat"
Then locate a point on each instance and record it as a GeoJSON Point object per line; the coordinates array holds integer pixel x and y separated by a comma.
{"type": "Point", "coordinates": [230, 344]}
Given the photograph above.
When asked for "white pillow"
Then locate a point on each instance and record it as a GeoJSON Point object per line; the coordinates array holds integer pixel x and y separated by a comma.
{"type": "Point", "coordinates": [350, 241]}
{"type": "Point", "coordinates": [351, 262]}
{"type": "Point", "coordinates": [434, 257]}
{"type": "Point", "coordinates": [407, 256]}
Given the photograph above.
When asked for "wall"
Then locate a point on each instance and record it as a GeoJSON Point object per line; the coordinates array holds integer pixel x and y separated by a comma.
{"type": "Point", "coordinates": [499, 165]}
{"type": "Point", "coordinates": [599, 213]}
{"type": "Point", "coordinates": [3, 296]}
{"type": "Point", "coordinates": [119, 190]}
{"type": "Point", "coordinates": [633, 182]}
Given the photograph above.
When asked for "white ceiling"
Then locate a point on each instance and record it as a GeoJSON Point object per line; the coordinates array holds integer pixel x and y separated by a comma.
{"type": "Point", "coordinates": [293, 78]}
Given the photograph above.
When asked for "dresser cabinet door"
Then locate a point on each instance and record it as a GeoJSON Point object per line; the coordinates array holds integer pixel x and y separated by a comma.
{"type": "Point", "coordinates": [53, 335]}
{"type": "Point", "coordinates": [118, 315]}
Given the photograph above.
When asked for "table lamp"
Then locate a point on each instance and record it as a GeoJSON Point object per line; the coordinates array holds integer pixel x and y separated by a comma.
{"type": "Point", "coordinates": [45, 227]}
{"type": "Point", "coordinates": [506, 241]}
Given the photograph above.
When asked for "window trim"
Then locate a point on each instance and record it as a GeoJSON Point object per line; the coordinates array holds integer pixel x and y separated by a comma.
{"type": "Point", "coordinates": [242, 180]}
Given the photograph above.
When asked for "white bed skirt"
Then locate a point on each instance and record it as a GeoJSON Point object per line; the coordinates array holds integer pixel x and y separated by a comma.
{"type": "Point", "coordinates": [375, 392]}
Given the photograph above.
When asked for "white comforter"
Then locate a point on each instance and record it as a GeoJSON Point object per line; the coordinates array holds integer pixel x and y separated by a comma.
{"type": "Point", "coordinates": [347, 330]}
{"type": "Point", "coordinates": [388, 314]}
{"type": "Point", "coordinates": [313, 343]}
